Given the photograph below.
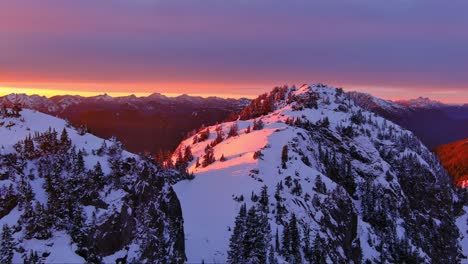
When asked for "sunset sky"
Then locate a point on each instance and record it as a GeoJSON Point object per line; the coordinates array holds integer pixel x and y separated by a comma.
{"type": "Point", "coordinates": [392, 49]}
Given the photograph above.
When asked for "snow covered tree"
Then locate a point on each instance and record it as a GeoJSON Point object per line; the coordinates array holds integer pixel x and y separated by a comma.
{"type": "Point", "coordinates": [236, 251]}
{"type": "Point", "coordinates": [257, 124]}
{"type": "Point", "coordinates": [319, 185]}
{"type": "Point", "coordinates": [208, 158]}
{"type": "Point", "coordinates": [295, 240]}
{"type": "Point", "coordinates": [188, 156]}
{"type": "Point", "coordinates": [264, 199]}
{"type": "Point", "coordinates": [233, 130]}
{"type": "Point", "coordinates": [98, 176]}
{"type": "Point", "coordinates": [65, 142]}
{"type": "Point", "coordinates": [318, 251]}
{"type": "Point", "coordinates": [7, 245]}
{"type": "Point", "coordinates": [256, 240]}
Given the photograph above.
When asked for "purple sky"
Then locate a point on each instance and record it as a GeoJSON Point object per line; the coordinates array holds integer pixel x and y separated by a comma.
{"type": "Point", "coordinates": [393, 49]}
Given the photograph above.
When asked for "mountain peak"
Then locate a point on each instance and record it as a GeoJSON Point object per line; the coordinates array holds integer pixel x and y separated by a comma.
{"type": "Point", "coordinates": [314, 150]}
{"type": "Point", "coordinates": [420, 102]}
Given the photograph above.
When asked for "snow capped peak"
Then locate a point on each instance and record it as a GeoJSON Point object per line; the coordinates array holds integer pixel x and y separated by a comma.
{"type": "Point", "coordinates": [320, 155]}
{"type": "Point", "coordinates": [420, 102]}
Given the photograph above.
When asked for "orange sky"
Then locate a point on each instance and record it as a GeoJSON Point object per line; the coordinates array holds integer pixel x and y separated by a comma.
{"type": "Point", "coordinates": [48, 89]}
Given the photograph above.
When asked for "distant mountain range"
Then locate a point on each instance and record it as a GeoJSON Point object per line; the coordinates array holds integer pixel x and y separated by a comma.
{"type": "Point", "coordinates": [143, 124]}
{"type": "Point", "coordinates": [435, 123]}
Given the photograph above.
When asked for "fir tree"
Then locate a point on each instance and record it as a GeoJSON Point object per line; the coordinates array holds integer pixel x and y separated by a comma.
{"type": "Point", "coordinates": [318, 253]}
{"type": "Point", "coordinates": [233, 130]}
{"type": "Point", "coordinates": [236, 252]}
{"type": "Point", "coordinates": [98, 175]}
{"type": "Point", "coordinates": [65, 142]}
{"type": "Point", "coordinates": [208, 158]}
{"type": "Point", "coordinates": [286, 241]}
{"type": "Point", "coordinates": [7, 245]}
{"type": "Point", "coordinates": [264, 199]}
{"type": "Point", "coordinates": [295, 239]}
{"type": "Point", "coordinates": [188, 156]}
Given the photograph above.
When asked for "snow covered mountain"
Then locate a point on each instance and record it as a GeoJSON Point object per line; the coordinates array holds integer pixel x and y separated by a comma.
{"type": "Point", "coordinates": [67, 196]}
{"type": "Point", "coordinates": [307, 175]}
{"type": "Point", "coordinates": [143, 124]}
{"type": "Point", "coordinates": [434, 123]}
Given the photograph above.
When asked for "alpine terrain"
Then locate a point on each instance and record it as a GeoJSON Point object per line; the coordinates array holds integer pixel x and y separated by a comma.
{"type": "Point", "coordinates": [143, 124]}
{"type": "Point", "coordinates": [307, 175]}
{"type": "Point", "coordinates": [433, 122]}
{"type": "Point", "coordinates": [67, 196]}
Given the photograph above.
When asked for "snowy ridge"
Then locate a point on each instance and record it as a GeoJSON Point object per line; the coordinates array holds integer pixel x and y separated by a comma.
{"type": "Point", "coordinates": [346, 174]}
{"type": "Point", "coordinates": [57, 104]}
{"type": "Point", "coordinates": [67, 196]}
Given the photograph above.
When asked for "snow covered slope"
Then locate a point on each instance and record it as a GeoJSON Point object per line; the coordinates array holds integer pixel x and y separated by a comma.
{"type": "Point", "coordinates": [342, 183]}
{"type": "Point", "coordinates": [67, 196]}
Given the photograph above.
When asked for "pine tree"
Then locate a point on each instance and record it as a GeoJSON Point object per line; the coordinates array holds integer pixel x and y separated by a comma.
{"type": "Point", "coordinates": [29, 150]}
{"type": "Point", "coordinates": [208, 158]}
{"type": "Point", "coordinates": [236, 252]}
{"type": "Point", "coordinates": [98, 176]}
{"type": "Point", "coordinates": [65, 142]}
{"type": "Point", "coordinates": [7, 245]}
{"type": "Point", "coordinates": [188, 156]}
{"type": "Point", "coordinates": [286, 241]}
{"type": "Point", "coordinates": [255, 243]}
{"type": "Point", "coordinates": [80, 166]}
{"type": "Point", "coordinates": [264, 199]}
{"type": "Point", "coordinates": [318, 252]}
{"type": "Point", "coordinates": [320, 186]}
{"type": "Point", "coordinates": [295, 240]}
{"type": "Point", "coordinates": [233, 130]}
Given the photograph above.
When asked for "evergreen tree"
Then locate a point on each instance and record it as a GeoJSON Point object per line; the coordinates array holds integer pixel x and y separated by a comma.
{"type": "Point", "coordinates": [284, 156]}
{"type": "Point", "coordinates": [208, 158]}
{"type": "Point", "coordinates": [318, 255]}
{"type": "Point", "coordinates": [233, 130]}
{"type": "Point", "coordinates": [255, 243]}
{"type": "Point", "coordinates": [295, 240]}
{"type": "Point", "coordinates": [79, 166]}
{"type": "Point", "coordinates": [264, 199]}
{"type": "Point", "coordinates": [286, 241]}
{"type": "Point", "coordinates": [65, 142]}
{"type": "Point", "coordinates": [188, 156]}
{"type": "Point", "coordinates": [320, 186]}
{"type": "Point", "coordinates": [98, 176]}
{"type": "Point", "coordinates": [236, 252]}
{"type": "Point", "coordinates": [7, 245]}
